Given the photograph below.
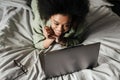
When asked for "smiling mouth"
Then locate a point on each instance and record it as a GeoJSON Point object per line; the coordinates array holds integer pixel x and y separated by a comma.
{"type": "Point", "coordinates": [57, 32]}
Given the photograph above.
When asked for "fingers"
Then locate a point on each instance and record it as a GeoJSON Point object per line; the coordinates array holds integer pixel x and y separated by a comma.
{"type": "Point", "coordinates": [49, 32]}
{"type": "Point", "coordinates": [52, 36]}
{"type": "Point", "coordinates": [45, 33]}
{"type": "Point", "coordinates": [61, 40]}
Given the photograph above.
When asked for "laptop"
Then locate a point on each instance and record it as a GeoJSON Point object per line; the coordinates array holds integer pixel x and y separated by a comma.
{"type": "Point", "coordinates": [72, 59]}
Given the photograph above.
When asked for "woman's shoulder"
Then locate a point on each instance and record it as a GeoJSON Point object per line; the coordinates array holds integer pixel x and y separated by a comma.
{"type": "Point", "coordinates": [74, 31]}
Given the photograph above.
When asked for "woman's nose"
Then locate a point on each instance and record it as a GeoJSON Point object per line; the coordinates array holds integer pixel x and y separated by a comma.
{"type": "Point", "coordinates": [60, 28]}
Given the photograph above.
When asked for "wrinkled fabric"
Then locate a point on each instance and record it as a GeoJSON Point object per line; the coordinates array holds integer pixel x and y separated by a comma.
{"type": "Point", "coordinates": [16, 44]}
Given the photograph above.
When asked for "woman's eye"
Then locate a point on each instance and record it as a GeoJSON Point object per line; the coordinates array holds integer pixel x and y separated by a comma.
{"type": "Point", "coordinates": [56, 24]}
{"type": "Point", "coordinates": [68, 25]}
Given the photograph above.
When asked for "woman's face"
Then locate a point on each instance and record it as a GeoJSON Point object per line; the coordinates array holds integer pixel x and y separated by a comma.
{"type": "Point", "coordinates": [60, 23]}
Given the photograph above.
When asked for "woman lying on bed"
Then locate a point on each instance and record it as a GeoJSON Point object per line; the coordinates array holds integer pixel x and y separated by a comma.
{"type": "Point", "coordinates": [58, 21]}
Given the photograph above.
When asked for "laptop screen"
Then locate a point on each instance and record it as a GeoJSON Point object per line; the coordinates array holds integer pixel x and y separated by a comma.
{"type": "Point", "coordinates": [72, 59]}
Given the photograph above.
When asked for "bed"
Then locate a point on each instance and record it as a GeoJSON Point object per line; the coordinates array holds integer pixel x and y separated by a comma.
{"type": "Point", "coordinates": [16, 43]}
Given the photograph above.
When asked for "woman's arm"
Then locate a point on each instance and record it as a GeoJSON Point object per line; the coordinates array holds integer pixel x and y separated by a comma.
{"type": "Point", "coordinates": [39, 38]}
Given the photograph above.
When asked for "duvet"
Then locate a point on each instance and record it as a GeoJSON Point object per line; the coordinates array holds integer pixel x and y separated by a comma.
{"type": "Point", "coordinates": [16, 44]}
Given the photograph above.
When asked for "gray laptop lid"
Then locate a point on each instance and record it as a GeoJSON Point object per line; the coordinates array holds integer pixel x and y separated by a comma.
{"type": "Point", "coordinates": [69, 60]}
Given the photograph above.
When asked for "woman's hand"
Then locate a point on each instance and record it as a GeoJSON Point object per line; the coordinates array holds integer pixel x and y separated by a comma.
{"type": "Point", "coordinates": [50, 37]}
{"type": "Point", "coordinates": [61, 40]}
{"type": "Point", "coordinates": [49, 33]}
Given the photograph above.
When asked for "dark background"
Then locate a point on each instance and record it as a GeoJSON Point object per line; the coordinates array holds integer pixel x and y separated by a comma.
{"type": "Point", "coordinates": [116, 7]}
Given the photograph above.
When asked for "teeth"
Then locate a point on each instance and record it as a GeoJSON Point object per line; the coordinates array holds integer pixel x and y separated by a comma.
{"type": "Point", "coordinates": [58, 32]}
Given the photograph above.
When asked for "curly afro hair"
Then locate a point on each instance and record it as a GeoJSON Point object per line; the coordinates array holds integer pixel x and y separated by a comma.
{"type": "Point", "coordinates": [77, 9]}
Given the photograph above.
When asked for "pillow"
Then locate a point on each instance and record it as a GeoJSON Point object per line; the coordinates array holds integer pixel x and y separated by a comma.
{"type": "Point", "coordinates": [99, 3]}
{"type": "Point", "coordinates": [96, 11]}
{"type": "Point", "coordinates": [104, 27]}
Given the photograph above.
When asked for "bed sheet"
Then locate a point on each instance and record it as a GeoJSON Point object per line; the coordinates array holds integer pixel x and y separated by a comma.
{"type": "Point", "coordinates": [16, 43]}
